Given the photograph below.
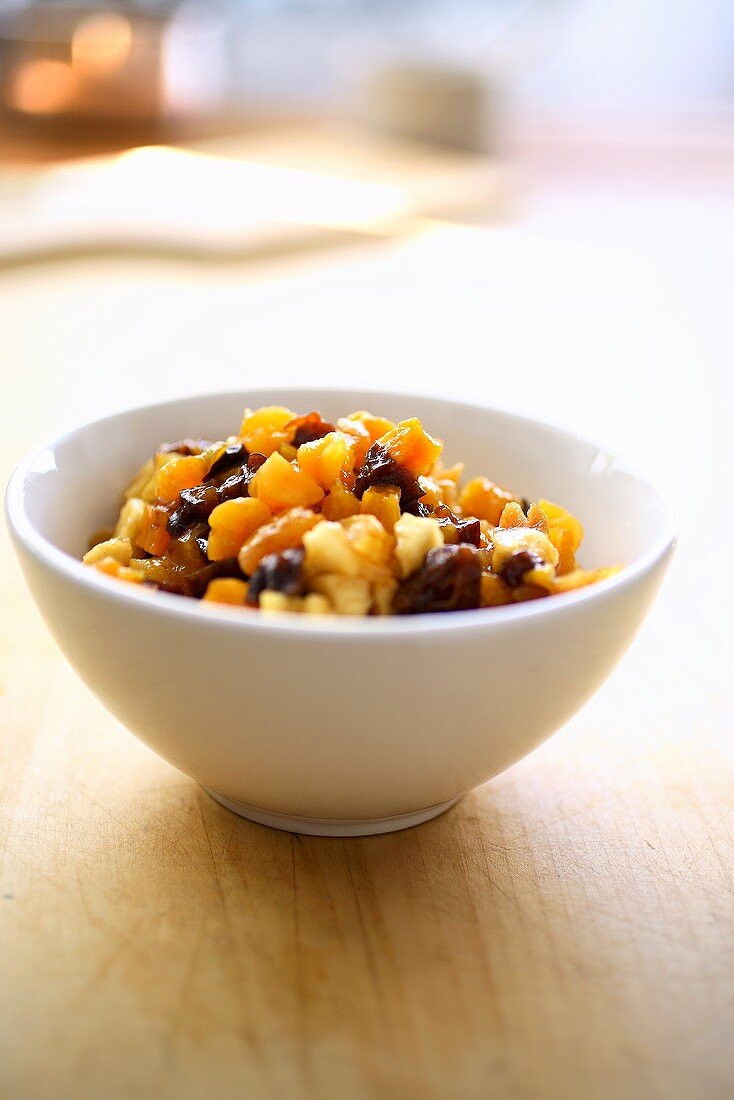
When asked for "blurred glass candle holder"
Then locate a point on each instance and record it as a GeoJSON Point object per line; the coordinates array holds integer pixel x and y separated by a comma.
{"type": "Point", "coordinates": [75, 67]}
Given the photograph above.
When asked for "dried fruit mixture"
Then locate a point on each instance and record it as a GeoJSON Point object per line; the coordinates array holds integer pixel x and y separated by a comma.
{"type": "Point", "coordinates": [360, 517]}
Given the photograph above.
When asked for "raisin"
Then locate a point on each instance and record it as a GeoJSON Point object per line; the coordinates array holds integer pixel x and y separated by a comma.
{"type": "Point", "coordinates": [308, 428]}
{"type": "Point", "coordinates": [514, 569]}
{"type": "Point", "coordinates": [448, 580]}
{"type": "Point", "coordinates": [193, 506]}
{"type": "Point", "coordinates": [470, 531]}
{"type": "Point", "coordinates": [197, 504]}
{"type": "Point", "coordinates": [185, 570]}
{"type": "Point", "coordinates": [417, 508]}
{"type": "Point", "coordinates": [197, 582]}
{"type": "Point", "coordinates": [281, 572]}
{"type": "Point", "coordinates": [186, 446]}
{"type": "Point", "coordinates": [194, 582]}
{"type": "Point", "coordinates": [189, 551]}
{"type": "Point", "coordinates": [235, 455]}
{"type": "Point", "coordinates": [380, 468]}
{"type": "Point", "coordinates": [467, 530]}
{"type": "Point", "coordinates": [237, 483]}
{"type": "Point", "coordinates": [525, 504]}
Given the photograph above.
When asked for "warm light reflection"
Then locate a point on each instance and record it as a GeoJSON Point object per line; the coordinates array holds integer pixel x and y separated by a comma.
{"type": "Point", "coordinates": [176, 199]}
{"type": "Point", "coordinates": [42, 87]}
{"type": "Point", "coordinates": [194, 187]}
{"type": "Point", "coordinates": [101, 44]}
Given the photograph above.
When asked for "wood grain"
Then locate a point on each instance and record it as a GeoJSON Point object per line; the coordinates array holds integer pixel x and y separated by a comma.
{"type": "Point", "coordinates": [566, 932]}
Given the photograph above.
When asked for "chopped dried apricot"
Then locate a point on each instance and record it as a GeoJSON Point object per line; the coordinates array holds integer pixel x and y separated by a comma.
{"type": "Point", "coordinates": [327, 459]}
{"type": "Point", "coordinates": [561, 520]}
{"type": "Point", "coordinates": [375, 425]}
{"type": "Point", "coordinates": [265, 429]}
{"type": "Point", "coordinates": [410, 445]}
{"type": "Point", "coordinates": [512, 516]}
{"type": "Point", "coordinates": [339, 503]}
{"type": "Point", "coordinates": [232, 523]}
{"type": "Point", "coordinates": [360, 435]}
{"type": "Point", "coordinates": [284, 532]}
{"type": "Point", "coordinates": [180, 472]}
{"type": "Point", "coordinates": [382, 501]}
{"type": "Point", "coordinates": [152, 535]}
{"type": "Point", "coordinates": [281, 485]}
{"type": "Point", "coordinates": [494, 591]}
{"type": "Point", "coordinates": [480, 497]}
{"type": "Point", "coordinates": [537, 518]}
{"type": "Point", "coordinates": [562, 539]}
{"type": "Point", "coordinates": [229, 590]}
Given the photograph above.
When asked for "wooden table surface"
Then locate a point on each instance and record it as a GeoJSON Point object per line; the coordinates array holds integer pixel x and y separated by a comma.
{"type": "Point", "coordinates": [567, 931]}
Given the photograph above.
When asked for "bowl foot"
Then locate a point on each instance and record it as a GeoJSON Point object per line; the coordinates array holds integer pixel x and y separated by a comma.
{"type": "Point", "coordinates": [315, 826]}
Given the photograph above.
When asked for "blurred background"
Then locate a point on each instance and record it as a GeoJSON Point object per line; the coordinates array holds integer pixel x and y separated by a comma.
{"type": "Point", "coordinates": [528, 201]}
{"type": "Point", "coordinates": [111, 72]}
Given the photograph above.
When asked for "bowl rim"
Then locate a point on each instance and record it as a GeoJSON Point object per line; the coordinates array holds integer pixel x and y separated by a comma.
{"type": "Point", "coordinates": [174, 606]}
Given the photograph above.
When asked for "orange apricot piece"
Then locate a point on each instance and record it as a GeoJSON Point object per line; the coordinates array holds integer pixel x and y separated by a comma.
{"type": "Point", "coordinates": [281, 485]}
{"type": "Point", "coordinates": [232, 523]}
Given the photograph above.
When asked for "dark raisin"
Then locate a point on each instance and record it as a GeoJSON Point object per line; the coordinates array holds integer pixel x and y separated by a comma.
{"type": "Point", "coordinates": [281, 572]}
{"type": "Point", "coordinates": [193, 506]}
{"type": "Point", "coordinates": [196, 583]}
{"type": "Point", "coordinates": [235, 455]}
{"type": "Point", "coordinates": [237, 484]}
{"type": "Point", "coordinates": [467, 530]}
{"type": "Point", "coordinates": [380, 468]}
{"type": "Point", "coordinates": [416, 508]}
{"type": "Point", "coordinates": [514, 569]}
{"type": "Point", "coordinates": [197, 504]}
{"type": "Point", "coordinates": [184, 447]}
{"type": "Point", "coordinates": [186, 570]}
{"type": "Point", "coordinates": [193, 582]}
{"type": "Point", "coordinates": [448, 580]}
{"type": "Point", "coordinates": [189, 551]}
{"type": "Point", "coordinates": [525, 504]}
{"type": "Point", "coordinates": [308, 428]}
{"type": "Point", "coordinates": [470, 531]}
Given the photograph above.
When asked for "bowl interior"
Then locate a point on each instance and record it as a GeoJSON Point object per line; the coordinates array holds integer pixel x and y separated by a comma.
{"type": "Point", "coordinates": [74, 486]}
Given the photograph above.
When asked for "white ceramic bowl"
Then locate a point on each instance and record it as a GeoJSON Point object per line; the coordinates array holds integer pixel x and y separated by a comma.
{"type": "Point", "coordinates": [339, 726]}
